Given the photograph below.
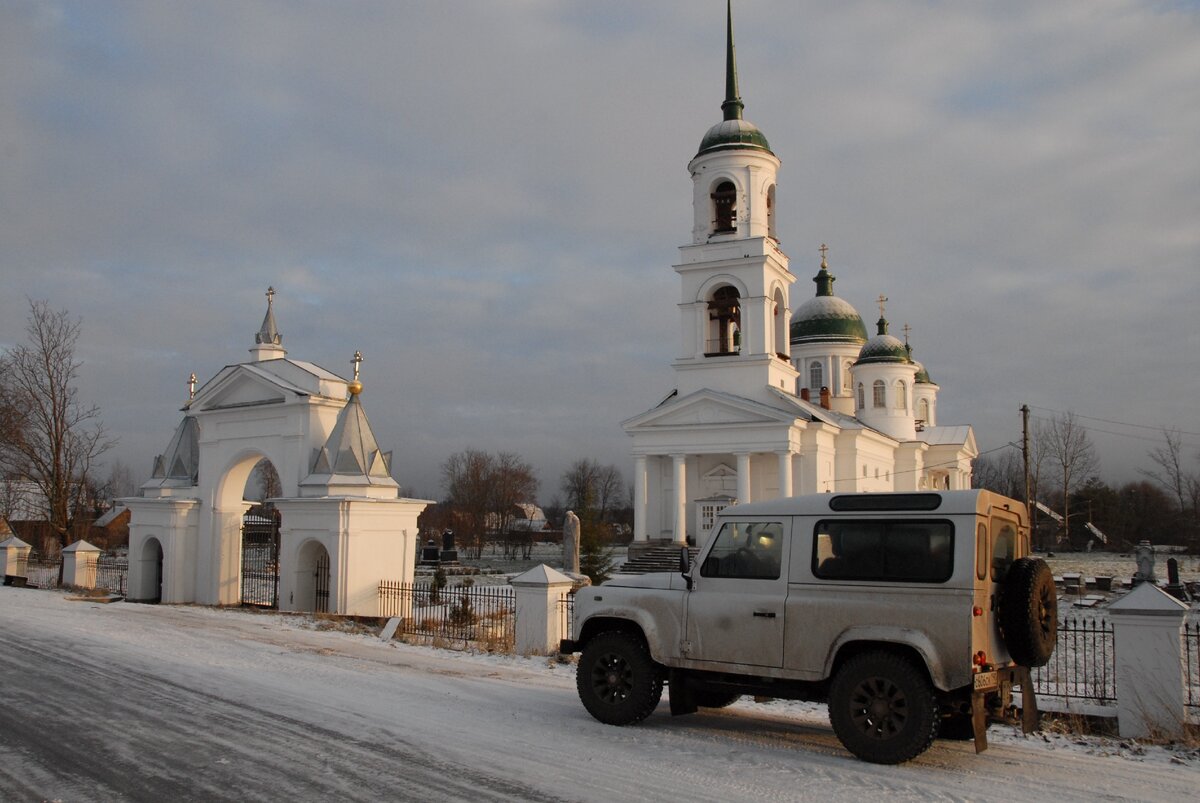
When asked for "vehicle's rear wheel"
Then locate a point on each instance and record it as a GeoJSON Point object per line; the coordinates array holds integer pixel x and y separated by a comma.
{"type": "Point", "coordinates": [883, 708]}
{"type": "Point", "coordinates": [617, 680]}
{"type": "Point", "coordinates": [715, 698]}
{"type": "Point", "coordinates": [1028, 615]}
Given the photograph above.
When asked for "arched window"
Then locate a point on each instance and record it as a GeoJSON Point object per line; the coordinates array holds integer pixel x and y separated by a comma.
{"type": "Point", "coordinates": [879, 395]}
{"type": "Point", "coordinates": [923, 410]}
{"type": "Point", "coordinates": [901, 395]}
{"type": "Point", "coordinates": [724, 322]}
{"type": "Point", "coordinates": [780, 326]}
{"type": "Point", "coordinates": [725, 208]}
{"type": "Point", "coordinates": [846, 377]}
{"type": "Point", "coordinates": [862, 397]}
{"type": "Point", "coordinates": [771, 213]}
{"type": "Point", "coordinates": [815, 378]}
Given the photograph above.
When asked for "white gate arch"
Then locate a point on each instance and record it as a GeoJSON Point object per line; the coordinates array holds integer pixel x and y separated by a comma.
{"type": "Point", "coordinates": [336, 484]}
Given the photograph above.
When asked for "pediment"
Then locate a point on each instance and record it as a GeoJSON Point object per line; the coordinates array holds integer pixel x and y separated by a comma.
{"type": "Point", "coordinates": [241, 388]}
{"type": "Point", "coordinates": [710, 408]}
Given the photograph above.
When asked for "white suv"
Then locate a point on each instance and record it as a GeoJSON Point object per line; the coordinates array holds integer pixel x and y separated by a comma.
{"type": "Point", "coordinates": [912, 614]}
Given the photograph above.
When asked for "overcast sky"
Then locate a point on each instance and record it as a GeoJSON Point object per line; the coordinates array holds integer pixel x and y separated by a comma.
{"type": "Point", "coordinates": [486, 198]}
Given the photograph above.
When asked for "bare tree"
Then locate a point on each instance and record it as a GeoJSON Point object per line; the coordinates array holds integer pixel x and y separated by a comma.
{"type": "Point", "coordinates": [120, 481]}
{"type": "Point", "coordinates": [484, 490]}
{"type": "Point", "coordinates": [1070, 451]}
{"type": "Point", "coordinates": [50, 437]}
{"type": "Point", "coordinates": [1171, 473]}
{"type": "Point", "coordinates": [1002, 472]}
{"type": "Point", "coordinates": [266, 480]}
{"type": "Point", "coordinates": [592, 490]}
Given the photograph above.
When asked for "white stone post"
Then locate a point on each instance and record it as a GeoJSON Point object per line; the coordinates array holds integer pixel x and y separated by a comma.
{"type": "Point", "coordinates": [80, 561]}
{"type": "Point", "coordinates": [539, 621]}
{"type": "Point", "coordinates": [14, 557]}
{"type": "Point", "coordinates": [1147, 629]}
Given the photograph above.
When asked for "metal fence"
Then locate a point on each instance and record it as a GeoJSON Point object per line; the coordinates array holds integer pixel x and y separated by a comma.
{"type": "Point", "coordinates": [1083, 666]}
{"type": "Point", "coordinates": [108, 572]}
{"type": "Point", "coordinates": [112, 571]}
{"type": "Point", "coordinates": [1191, 667]}
{"type": "Point", "coordinates": [458, 613]}
{"type": "Point", "coordinates": [566, 613]}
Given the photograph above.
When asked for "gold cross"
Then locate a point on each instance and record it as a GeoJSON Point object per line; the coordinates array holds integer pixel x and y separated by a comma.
{"type": "Point", "coordinates": [270, 295]}
{"type": "Point", "coordinates": [358, 360]}
{"type": "Point", "coordinates": [882, 300]}
{"type": "Point", "coordinates": [907, 329]}
{"type": "Point", "coordinates": [824, 249]}
{"type": "Point", "coordinates": [192, 386]}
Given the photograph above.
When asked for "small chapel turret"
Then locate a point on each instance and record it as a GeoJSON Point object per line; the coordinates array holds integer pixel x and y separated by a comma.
{"type": "Point", "coordinates": [268, 342]}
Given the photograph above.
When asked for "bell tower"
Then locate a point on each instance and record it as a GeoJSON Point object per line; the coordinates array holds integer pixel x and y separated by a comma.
{"type": "Point", "coordinates": [734, 309]}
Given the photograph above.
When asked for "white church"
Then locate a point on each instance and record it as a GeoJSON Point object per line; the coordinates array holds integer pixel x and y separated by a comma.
{"type": "Point", "coordinates": [769, 403]}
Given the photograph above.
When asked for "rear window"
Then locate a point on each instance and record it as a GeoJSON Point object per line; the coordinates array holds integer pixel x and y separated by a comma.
{"type": "Point", "coordinates": [894, 551]}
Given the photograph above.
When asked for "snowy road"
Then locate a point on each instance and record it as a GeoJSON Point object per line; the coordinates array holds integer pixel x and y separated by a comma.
{"type": "Point", "coordinates": [134, 702]}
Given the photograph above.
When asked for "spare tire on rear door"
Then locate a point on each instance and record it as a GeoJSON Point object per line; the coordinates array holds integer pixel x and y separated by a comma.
{"type": "Point", "coordinates": [1029, 612]}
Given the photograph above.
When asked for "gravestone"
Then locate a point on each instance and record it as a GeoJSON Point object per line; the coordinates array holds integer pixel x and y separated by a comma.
{"type": "Point", "coordinates": [1143, 553]}
{"type": "Point", "coordinates": [571, 531]}
{"type": "Point", "coordinates": [1174, 587]}
{"type": "Point", "coordinates": [429, 554]}
{"type": "Point", "coordinates": [449, 553]}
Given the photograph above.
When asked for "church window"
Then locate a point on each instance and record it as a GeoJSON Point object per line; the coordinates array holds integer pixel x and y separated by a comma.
{"type": "Point", "coordinates": [771, 214]}
{"type": "Point", "coordinates": [725, 208]}
{"type": "Point", "coordinates": [923, 410]}
{"type": "Point", "coordinates": [862, 398]}
{"type": "Point", "coordinates": [846, 378]}
{"type": "Point", "coordinates": [901, 396]}
{"type": "Point", "coordinates": [724, 322]}
{"type": "Point", "coordinates": [878, 394]}
{"type": "Point", "coordinates": [815, 378]}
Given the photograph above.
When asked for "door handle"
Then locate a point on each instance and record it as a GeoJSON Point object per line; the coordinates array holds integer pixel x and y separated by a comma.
{"type": "Point", "coordinates": [765, 614]}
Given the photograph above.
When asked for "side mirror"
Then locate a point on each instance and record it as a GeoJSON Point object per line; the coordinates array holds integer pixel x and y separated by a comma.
{"type": "Point", "coordinates": [685, 565]}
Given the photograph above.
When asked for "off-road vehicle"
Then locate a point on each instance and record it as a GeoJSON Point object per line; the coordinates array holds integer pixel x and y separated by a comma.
{"type": "Point", "coordinates": [912, 615]}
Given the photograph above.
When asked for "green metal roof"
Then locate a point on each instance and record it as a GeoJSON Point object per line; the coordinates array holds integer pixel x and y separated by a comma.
{"type": "Point", "coordinates": [826, 317]}
{"type": "Point", "coordinates": [883, 348]}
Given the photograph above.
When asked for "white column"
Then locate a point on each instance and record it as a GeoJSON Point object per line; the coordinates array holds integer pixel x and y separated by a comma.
{"type": "Point", "coordinates": [639, 498]}
{"type": "Point", "coordinates": [785, 475]}
{"type": "Point", "coordinates": [743, 477]}
{"type": "Point", "coordinates": [680, 532]}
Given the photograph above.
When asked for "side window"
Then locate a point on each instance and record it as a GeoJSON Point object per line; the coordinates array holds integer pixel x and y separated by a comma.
{"type": "Point", "coordinates": [1004, 549]}
{"type": "Point", "coordinates": [751, 550]}
{"type": "Point", "coordinates": [981, 552]}
{"type": "Point", "coordinates": [903, 551]}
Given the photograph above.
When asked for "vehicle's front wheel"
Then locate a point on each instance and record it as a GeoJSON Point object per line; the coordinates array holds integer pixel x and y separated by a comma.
{"type": "Point", "coordinates": [883, 708]}
{"type": "Point", "coordinates": [618, 681]}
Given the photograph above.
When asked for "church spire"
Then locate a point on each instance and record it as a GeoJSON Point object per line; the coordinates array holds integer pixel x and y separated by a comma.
{"type": "Point", "coordinates": [732, 107]}
{"type": "Point", "coordinates": [268, 343]}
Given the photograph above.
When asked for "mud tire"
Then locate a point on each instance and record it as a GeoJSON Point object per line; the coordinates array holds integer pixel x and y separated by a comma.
{"type": "Point", "coordinates": [617, 680]}
{"type": "Point", "coordinates": [883, 708]}
{"type": "Point", "coordinates": [1029, 612]}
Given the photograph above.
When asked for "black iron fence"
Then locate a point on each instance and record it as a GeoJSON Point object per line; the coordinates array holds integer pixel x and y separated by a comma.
{"type": "Point", "coordinates": [1084, 664]}
{"type": "Point", "coordinates": [566, 614]}
{"type": "Point", "coordinates": [1191, 667]}
{"type": "Point", "coordinates": [112, 571]}
{"type": "Point", "coordinates": [484, 615]}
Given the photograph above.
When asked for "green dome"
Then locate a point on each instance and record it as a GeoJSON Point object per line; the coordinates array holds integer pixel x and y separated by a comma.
{"type": "Point", "coordinates": [883, 348]}
{"type": "Point", "coordinates": [734, 135]}
{"type": "Point", "coordinates": [922, 377]}
{"type": "Point", "coordinates": [826, 318]}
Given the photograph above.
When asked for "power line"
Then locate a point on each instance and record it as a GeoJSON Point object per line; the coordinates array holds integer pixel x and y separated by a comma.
{"type": "Point", "coordinates": [1118, 423]}
{"type": "Point", "coordinates": [1146, 438]}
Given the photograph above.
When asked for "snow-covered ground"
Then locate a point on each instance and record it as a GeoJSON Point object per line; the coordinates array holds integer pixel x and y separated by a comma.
{"type": "Point", "coordinates": [136, 702]}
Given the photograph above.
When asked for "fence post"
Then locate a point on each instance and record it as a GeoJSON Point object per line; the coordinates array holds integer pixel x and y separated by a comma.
{"type": "Point", "coordinates": [1147, 629]}
{"type": "Point", "coordinates": [14, 558]}
{"type": "Point", "coordinates": [79, 564]}
{"type": "Point", "coordinates": [537, 592]}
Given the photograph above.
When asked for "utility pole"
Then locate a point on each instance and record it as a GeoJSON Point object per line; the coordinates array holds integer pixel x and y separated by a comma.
{"type": "Point", "coordinates": [1029, 508]}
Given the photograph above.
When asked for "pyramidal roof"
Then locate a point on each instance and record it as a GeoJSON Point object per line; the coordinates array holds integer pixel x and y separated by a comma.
{"type": "Point", "coordinates": [181, 461]}
{"type": "Point", "coordinates": [351, 461]}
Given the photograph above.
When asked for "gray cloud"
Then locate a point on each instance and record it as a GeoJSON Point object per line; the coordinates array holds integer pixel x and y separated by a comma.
{"type": "Point", "coordinates": [486, 199]}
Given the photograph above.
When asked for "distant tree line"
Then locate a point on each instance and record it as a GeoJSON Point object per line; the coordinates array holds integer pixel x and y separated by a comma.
{"type": "Point", "coordinates": [1163, 508]}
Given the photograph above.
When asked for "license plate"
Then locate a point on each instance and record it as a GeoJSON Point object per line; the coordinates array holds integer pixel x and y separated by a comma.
{"type": "Point", "coordinates": [987, 680]}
